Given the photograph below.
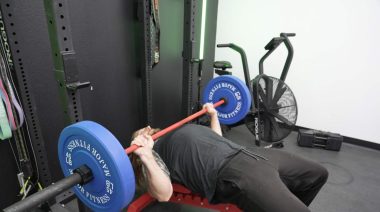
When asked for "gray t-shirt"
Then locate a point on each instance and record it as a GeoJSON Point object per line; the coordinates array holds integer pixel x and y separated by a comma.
{"type": "Point", "coordinates": [194, 154]}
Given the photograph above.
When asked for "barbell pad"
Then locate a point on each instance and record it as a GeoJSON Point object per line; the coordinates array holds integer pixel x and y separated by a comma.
{"type": "Point", "coordinates": [236, 95]}
{"type": "Point", "coordinates": [88, 143]}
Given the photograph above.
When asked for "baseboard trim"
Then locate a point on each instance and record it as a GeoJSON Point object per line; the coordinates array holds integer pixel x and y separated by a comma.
{"type": "Point", "coordinates": [351, 140]}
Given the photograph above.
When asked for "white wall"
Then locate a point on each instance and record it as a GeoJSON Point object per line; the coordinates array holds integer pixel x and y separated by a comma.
{"type": "Point", "coordinates": [335, 74]}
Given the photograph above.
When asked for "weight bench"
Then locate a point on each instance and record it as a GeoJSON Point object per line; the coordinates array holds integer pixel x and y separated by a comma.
{"type": "Point", "coordinates": [181, 195]}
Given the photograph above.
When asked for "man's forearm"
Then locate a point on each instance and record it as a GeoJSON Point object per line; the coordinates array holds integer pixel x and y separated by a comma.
{"type": "Point", "coordinates": [159, 184]}
{"type": "Point", "coordinates": [215, 125]}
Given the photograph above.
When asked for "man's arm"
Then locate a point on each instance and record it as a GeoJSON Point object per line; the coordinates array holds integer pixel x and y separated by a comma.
{"type": "Point", "coordinates": [215, 125]}
{"type": "Point", "coordinates": [159, 184]}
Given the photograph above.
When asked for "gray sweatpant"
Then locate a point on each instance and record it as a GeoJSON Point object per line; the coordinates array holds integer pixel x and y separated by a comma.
{"type": "Point", "coordinates": [283, 182]}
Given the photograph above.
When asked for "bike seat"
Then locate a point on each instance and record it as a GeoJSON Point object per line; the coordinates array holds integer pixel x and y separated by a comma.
{"type": "Point", "coordinates": [222, 65]}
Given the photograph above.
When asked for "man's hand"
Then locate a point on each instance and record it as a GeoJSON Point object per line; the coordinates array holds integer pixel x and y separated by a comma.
{"type": "Point", "coordinates": [210, 109]}
{"type": "Point", "coordinates": [215, 125]}
{"type": "Point", "coordinates": [145, 142]}
{"type": "Point", "coordinates": [145, 131]}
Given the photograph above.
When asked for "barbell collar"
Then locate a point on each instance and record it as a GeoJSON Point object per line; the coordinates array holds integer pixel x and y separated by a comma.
{"type": "Point", "coordinates": [85, 173]}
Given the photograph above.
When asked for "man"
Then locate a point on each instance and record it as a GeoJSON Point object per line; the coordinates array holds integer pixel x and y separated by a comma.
{"type": "Point", "coordinates": [225, 172]}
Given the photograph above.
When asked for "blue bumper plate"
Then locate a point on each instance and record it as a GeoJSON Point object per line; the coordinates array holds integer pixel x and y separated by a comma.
{"type": "Point", "coordinates": [234, 92]}
{"type": "Point", "coordinates": [89, 143]}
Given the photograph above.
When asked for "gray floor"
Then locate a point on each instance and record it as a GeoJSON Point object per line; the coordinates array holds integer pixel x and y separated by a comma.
{"type": "Point", "coordinates": [353, 184]}
{"type": "Point", "coordinates": [354, 174]}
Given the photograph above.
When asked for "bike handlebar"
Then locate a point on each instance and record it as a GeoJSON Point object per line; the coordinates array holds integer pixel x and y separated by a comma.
{"type": "Point", "coordinates": [283, 34]}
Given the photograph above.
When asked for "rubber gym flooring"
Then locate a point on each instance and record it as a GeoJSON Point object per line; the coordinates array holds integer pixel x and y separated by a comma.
{"type": "Point", "coordinates": [354, 174]}
{"type": "Point", "coordinates": [353, 184]}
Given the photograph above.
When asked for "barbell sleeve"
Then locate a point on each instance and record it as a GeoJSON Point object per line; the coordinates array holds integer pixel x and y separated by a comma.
{"type": "Point", "coordinates": [81, 175]}
{"type": "Point", "coordinates": [176, 125]}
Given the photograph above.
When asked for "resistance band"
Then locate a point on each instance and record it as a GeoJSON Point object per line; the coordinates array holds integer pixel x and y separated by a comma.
{"type": "Point", "coordinates": [5, 129]}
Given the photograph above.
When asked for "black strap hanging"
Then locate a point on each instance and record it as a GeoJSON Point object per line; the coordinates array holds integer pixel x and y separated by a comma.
{"type": "Point", "coordinates": [155, 32]}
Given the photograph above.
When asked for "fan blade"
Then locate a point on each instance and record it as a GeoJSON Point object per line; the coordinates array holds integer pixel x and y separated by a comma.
{"type": "Point", "coordinates": [262, 95]}
{"type": "Point", "coordinates": [285, 126]}
{"type": "Point", "coordinates": [275, 126]}
{"type": "Point", "coordinates": [277, 108]}
{"type": "Point", "coordinates": [283, 119]}
{"type": "Point", "coordinates": [278, 94]}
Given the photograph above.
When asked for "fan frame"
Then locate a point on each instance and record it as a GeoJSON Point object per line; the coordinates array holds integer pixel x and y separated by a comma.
{"type": "Point", "coordinates": [257, 111]}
